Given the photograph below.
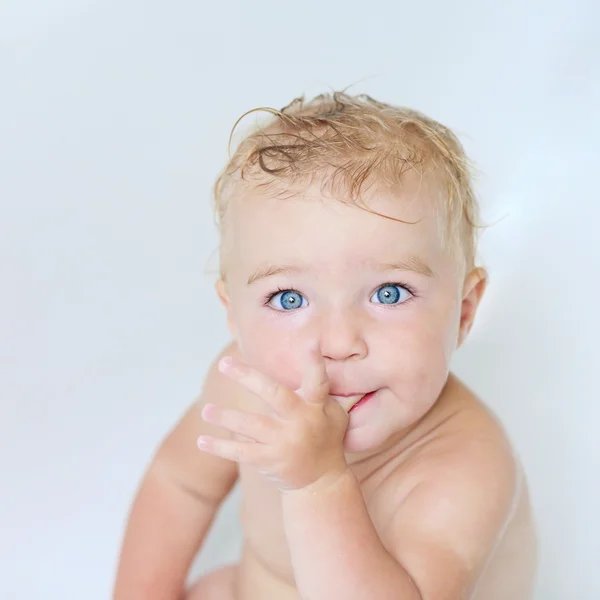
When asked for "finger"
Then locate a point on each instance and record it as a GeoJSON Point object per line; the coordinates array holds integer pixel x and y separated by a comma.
{"type": "Point", "coordinates": [277, 396]}
{"type": "Point", "coordinates": [259, 428]}
{"type": "Point", "coordinates": [240, 452]}
{"type": "Point", "coordinates": [315, 383]}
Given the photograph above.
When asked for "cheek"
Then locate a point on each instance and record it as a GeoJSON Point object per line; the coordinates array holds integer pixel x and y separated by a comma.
{"type": "Point", "coordinates": [275, 351]}
{"type": "Point", "coordinates": [417, 356]}
{"type": "Point", "coordinates": [422, 341]}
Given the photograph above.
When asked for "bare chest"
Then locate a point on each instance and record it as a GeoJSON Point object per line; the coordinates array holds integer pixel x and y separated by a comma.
{"type": "Point", "coordinates": [510, 572]}
{"type": "Point", "coordinates": [262, 520]}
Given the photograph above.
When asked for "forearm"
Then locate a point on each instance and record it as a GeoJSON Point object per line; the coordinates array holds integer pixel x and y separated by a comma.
{"type": "Point", "coordinates": [335, 549]}
{"type": "Point", "coordinates": [165, 529]}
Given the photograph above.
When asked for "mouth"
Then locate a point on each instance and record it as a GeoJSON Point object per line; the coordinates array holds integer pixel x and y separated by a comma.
{"type": "Point", "coordinates": [352, 401]}
{"type": "Point", "coordinates": [362, 400]}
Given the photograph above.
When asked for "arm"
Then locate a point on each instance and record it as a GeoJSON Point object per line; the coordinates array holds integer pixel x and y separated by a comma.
{"type": "Point", "coordinates": [175, 505]}
{"type": "Point", "coordinates": [336, 552]}
{"type": "Point", "coordinates": [434, 548]}
{"type": "Point", "coordinates": [447, 528]}
{"type": "Point", "coordinates": [335, 549]}
{"type": "Point", "coordinates": [442, 532]}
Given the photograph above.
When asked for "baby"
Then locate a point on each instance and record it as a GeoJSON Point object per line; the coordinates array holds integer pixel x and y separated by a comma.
{"type": "Point", "coordinates": [367, 469]}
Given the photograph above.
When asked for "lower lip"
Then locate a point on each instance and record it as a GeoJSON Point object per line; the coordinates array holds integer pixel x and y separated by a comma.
{"type": "Point", "coordinates": [362, 401]}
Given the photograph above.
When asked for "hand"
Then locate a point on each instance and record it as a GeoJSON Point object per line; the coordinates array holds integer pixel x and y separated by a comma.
{"type": "Point", "coordinates": [301, 445]}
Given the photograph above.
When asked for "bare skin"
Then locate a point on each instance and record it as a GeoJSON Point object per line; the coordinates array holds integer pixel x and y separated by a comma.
{"type": "Point", "coordinates": [457, 424]}
{"type": "Point", "coordinates": [422, 490]}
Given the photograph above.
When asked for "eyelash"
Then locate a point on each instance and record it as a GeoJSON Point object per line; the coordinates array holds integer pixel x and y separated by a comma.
{"type": "Point", "coordinates": [407, 287]}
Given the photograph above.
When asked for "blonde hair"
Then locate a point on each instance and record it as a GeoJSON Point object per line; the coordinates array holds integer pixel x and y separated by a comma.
{"type": "Point", "coordinates": [349, 142]}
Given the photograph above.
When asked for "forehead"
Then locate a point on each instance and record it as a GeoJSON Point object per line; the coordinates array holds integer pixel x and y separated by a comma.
{"type": "Point", "coordinates": [324, 230]}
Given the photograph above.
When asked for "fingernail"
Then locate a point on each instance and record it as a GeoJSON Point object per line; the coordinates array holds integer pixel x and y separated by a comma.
{"type": "Point", "coordinates": [202, 442]}
{"type": "Point", "coordinates": [225, 363]}
{"type": "Point", "coordinates": [206, 410]}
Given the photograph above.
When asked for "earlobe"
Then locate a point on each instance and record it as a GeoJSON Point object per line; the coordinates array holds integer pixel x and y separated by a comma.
{"type": "Point", "coordinates": [222, 293]}
{"type": "Point", "coordinates": [473, 290]}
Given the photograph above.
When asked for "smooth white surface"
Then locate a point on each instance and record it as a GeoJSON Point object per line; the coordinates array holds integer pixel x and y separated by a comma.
{"type": "Point", "coordinates": [114, 119]}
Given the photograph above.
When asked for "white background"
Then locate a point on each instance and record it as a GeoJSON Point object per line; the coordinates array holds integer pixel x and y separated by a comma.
{"type": "Point", "coordinates": [114, 119]}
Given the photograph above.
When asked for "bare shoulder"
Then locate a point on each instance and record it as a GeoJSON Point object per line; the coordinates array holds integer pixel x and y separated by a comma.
{"type": "Point", "coordinates": [466, 486]}
{"type": "Point", "coordinates": [458, 441]}
{"type": "Point", "coordinates": [179, 457]}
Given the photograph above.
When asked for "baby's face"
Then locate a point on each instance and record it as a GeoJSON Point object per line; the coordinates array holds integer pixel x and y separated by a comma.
{"type": "Point", "coordinates": [382, 298]}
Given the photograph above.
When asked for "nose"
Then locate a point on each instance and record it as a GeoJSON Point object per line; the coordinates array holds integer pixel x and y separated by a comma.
{"type": "Point", "coordinates": [341, 336]}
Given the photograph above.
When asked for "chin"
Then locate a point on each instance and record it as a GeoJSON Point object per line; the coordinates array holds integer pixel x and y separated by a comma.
{"type": "Point", "coordinates": [379, 433]}
{"type": "Point", "coordinates": [365, 439]}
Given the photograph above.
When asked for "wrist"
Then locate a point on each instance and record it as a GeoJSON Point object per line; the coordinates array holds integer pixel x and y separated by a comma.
{"type": "Point", "coordinates": [328, 480]}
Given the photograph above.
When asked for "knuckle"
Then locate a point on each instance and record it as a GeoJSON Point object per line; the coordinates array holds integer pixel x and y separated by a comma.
{"type": "Point", "coordinates": [244, 421]}
{"type": "Point", "coordinates": [240, 453]}
{"type": "Point", "coordinates": [261, 424]}
{"type": "Point", "coordinates": [323, 390]}
{"type": "Point", "coordinates": [276, 390]}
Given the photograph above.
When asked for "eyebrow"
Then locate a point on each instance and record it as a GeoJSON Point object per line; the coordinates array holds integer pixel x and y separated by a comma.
{"type": "Point", "coordinates": [413, 263]}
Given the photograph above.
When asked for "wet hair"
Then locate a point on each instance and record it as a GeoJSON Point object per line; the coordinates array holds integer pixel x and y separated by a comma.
{"type": "Point", "coordinates": [350, 143]}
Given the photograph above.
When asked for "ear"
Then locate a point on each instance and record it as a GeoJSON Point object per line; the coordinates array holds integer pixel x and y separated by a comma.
{"type": "Point", "coordinates": [221, 288]}
{"type": "Point", "coordinates": [473, 289]}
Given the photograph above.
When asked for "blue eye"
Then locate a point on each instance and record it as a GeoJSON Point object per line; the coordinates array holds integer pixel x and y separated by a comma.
{"type": "Point", "coordinates": [288, 300]}
{"type": "Point", "coordinates": [391, 294]}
